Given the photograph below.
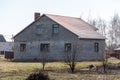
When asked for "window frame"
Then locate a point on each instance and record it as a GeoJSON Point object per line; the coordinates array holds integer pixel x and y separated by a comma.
{"type": "Point", "coordinates": [96, 47]}
{"type": "Point", "coordinates": [23, 47]}
{"type": "Point", "coordinates": [42, 47]}
{"type": "Point", "coordinates": [67, 47]}
{"type": "Point", "coordinates": [55, 28]}
{"type": "Point", "coordinates": [38, 29]}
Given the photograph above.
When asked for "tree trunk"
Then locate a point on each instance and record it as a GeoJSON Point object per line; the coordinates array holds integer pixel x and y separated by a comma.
{"type": "Point", "coordinates": [72, 67]}
{"type": "Point", "coordinates": [43, 66]}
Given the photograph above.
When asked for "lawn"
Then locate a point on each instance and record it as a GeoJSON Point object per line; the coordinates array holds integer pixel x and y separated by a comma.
{"type": "Point", "coordinates": [20, 70]}
{"type": "Point", "coordinates": [56, 71]}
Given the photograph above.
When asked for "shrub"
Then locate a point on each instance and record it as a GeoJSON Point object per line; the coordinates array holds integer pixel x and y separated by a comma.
{"type": "Point", "coordinates": [38, 76]}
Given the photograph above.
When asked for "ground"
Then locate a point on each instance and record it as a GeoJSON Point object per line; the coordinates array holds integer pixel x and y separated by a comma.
{"type": "Point", "coordinates": [56, 71]}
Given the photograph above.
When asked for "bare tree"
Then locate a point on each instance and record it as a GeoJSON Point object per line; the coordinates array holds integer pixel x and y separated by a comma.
{"type": "Point", "coordinates": [114, 31]}
{"type": "Point", "coordinates": [104, 66]}
{"type": "Point", "coordinates": [70, 57]}
{"type": "Point", "coordinates": [92, 22]}
{"type": "Point", "coordinates": [44, 60]}
{"type": "Point", "coordinates": [105, 62]}
{"type": "Point", "coordinates": [100, 24]}
{"type": "Point", "coordinates": [44, 50]}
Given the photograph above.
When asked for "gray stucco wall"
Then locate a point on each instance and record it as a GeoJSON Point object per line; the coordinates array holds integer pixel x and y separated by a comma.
{"type": "Point", "coordinates": [29, 34]}
{"type": "Point", "coordinates": [85, 50]}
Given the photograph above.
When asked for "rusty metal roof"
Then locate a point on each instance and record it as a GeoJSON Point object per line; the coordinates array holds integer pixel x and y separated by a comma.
{"type": "Point", "coordinates": [77, 26]}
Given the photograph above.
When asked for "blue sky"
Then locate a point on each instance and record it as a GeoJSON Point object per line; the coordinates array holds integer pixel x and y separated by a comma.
{"type": "Point", "coordinates": [15, 15]}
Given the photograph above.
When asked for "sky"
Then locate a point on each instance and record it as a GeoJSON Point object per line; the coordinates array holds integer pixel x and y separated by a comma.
{"type": "Point", "coordinates": [15, 15]}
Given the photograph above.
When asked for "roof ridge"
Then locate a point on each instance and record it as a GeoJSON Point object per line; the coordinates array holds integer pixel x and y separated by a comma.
{"type": "Point", "coordinates": [63, 16]}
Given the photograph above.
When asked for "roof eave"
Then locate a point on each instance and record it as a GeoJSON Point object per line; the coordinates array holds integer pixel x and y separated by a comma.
{"type": "Point", "coordinates": [92, 38]}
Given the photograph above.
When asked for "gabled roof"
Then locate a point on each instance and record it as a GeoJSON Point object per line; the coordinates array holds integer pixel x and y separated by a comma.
{"type": "Point", "coordinates": [75, 25]}
{"type": "Point", "coordinates": [2, 39]}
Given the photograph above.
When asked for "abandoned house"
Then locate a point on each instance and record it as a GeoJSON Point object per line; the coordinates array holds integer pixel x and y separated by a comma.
{"type": "Point", "coordinates": [55, 35]}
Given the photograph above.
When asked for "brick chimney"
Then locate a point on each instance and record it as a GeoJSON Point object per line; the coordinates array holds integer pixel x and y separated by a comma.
{"type": "Point", "coordinates": [36, 16]}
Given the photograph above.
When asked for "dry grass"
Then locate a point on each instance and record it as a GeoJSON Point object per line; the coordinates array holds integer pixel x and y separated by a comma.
{"type": "Point", "coordinates": [87, 63]}
{"type": "Point", "coordinates": [56, 71]}
{"type": "Point", "coordinates": [113, 60]}
{"type": "Point", "coordinates": [13, 66]}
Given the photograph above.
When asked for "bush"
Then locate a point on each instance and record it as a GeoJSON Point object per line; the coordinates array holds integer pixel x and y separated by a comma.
{"type": "Point", "coordinates": [38, 76]}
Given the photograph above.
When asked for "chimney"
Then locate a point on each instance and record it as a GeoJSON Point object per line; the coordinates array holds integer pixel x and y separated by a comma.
{"type": "Point", "coordinates": [36, 16]}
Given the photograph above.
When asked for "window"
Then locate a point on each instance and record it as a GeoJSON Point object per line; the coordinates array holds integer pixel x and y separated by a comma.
{"type": "Point", "coordinates": [44, 47]}
{"type": "Point", "coordinates": [96, 45]}
{"type": "Point", "coordinates": [22, 47]}
{"type": "Point", "coordinates": [39, 29]}
{"type": "Point", "coordinates": [55, 29]}
{"type": "Point", "coordinates": [67, 46]}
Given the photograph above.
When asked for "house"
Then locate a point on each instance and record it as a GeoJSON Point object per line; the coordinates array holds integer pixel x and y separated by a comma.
{"type": "Point", "coordinates": [2, 39]}
{"type": "Point", "coordinates": [56, 35]}
{"type": "Point", "coordinates": [6, 47]}
{"type": "Point", "coordinates": [116, 53]}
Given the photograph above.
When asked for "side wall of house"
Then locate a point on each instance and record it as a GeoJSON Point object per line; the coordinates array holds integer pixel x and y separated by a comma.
{"type": "Point", "coordinates": [86, 49]}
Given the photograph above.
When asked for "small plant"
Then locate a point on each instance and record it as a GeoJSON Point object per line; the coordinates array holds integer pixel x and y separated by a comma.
{"type": "Point", "coordinates": [38, 76]}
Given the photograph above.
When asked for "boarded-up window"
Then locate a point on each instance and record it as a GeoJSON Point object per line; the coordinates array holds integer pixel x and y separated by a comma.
{"type": "Point", "coordinates": [67, 46]}
{"type": "Point", "coordinates": [45, 47]}
{"type": "Point", "coordinates": [96, 47]}
{"type": "Point", "coordinates": [22, 47]}
{"type": "Point", "coordinates": [55, 29]}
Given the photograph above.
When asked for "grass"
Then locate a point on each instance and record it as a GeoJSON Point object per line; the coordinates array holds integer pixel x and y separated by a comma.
{"type": "Point", "coordinates": [114, 60]}
{"type": "Point", "coordinates": [87, 63]}
{"type": "Point", "coordinates": [13, 78]}
{"type": "Point", "coordinates": [20, 70]}
{"type": "Point", "coordinates": [14, 66]}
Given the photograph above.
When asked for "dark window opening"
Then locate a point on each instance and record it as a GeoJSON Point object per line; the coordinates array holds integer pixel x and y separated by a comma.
{"type": "Point", "coordinates": [55, 29]}
{"type": "Point", "coordinates": [22, 47]}
{"type": "Point", "coordinates": [96, 45]}
{"type": "Point", "coordinates": [44, 47]}
{"type": "Point", "coordinates": [2, 52]}
{"type": "Point", "coordinates": [67, 46]}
